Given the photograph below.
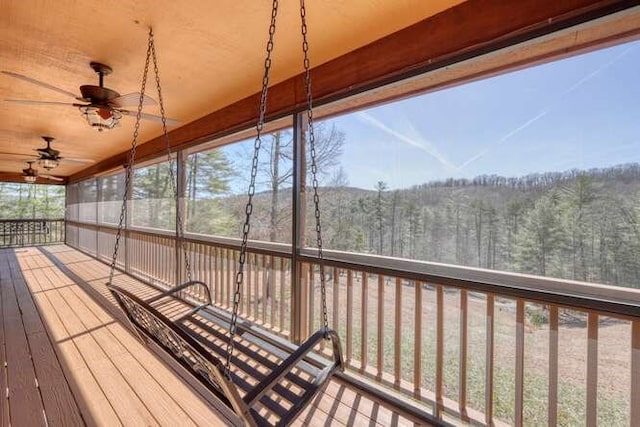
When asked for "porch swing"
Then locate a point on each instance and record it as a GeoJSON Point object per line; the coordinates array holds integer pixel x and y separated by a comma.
{"type": "Point", "coordinates": [262, 380]}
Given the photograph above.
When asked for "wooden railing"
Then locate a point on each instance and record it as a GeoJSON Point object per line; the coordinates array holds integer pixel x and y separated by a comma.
{"type": "Point", "coordinates": [30, 232]}
{"type": "Point", "coordinates": [459, 343]}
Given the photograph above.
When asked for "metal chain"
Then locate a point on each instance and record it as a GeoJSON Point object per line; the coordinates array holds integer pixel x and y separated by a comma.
{"type": "Point", "coordinates": [131, 161]}
{"type": "Point", "coordinates": [172, 177]}
{"type": "Point", "coordinates": [314, 166]}
{"type": "Point", "coordinates": [252, 188]}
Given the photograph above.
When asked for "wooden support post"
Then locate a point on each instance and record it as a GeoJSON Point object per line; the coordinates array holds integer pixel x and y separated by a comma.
{"type": "Point", "coordinates": [298, 190]}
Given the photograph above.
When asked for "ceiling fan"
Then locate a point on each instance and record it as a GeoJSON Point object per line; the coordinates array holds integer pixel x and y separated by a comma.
{"type": "Point", "coordinates": [103, 107]}
{"type": "Point", "coordinates": [31, 175]}
{"type": "Point", "coordinates": [47, 157]}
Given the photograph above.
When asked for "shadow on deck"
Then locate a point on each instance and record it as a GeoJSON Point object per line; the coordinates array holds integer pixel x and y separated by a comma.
{"type": "Point", "coordinates": [69, 357]}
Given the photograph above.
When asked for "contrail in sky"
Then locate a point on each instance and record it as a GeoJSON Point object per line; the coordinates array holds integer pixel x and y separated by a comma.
{"type": "Point", "coordinates": [546, 110]}
{"type": "Point", "coordinates": [421, 144]}
{"type": "Point", "coordinates": [503, 139]}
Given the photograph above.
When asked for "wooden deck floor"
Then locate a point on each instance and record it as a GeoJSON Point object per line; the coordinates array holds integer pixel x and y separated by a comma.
{"type": "Point", "coordinates": [70, 360]}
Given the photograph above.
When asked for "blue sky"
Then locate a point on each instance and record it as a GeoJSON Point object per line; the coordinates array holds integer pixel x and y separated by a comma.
{"type": "Point", "coordinates": [580, 112]}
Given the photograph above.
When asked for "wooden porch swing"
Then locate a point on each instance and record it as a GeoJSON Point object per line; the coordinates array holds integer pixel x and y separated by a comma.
{"type": "Point", "coordinates": [261, 379]}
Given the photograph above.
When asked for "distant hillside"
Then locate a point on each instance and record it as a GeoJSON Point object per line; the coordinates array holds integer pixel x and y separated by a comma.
{"type": "Point", "coordinates": [582, 225]}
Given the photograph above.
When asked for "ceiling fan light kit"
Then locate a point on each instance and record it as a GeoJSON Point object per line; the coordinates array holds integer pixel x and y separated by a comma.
{"type": "Point", "coordinates": [49, 164]}
{"type": "Point", "coordinates": [97, 117]}
{"type": "Point", "coordinates": [49, 158]}
{"type": "Point", "coordinates": [100, 118]}
{"type": "Point", "coordinates": [30, 174]}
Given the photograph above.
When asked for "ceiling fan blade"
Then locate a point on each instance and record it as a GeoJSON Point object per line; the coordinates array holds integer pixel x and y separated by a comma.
{"type": "Point", "coordinates": [131, 99]}
{"type": "Point", "coordinates": [75, 160]}
{"type": "Point", "coordinates": [151, 117]}
{"type": "Point", "coordinates": [39, 83]}
{"type": "Point", "coordinates": [34, 102]}
{"type": "Point", "coordinates": [53, 178]}
{"type": "Point", "coordinates": [17, 154]}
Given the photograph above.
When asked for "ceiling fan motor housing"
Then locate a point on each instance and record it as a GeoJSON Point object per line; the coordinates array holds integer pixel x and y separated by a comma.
{"type": "Point", "coordinates": [97, 94]}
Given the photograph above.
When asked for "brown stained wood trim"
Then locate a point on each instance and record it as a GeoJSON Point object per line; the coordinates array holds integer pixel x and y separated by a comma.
{"type": "Point", "coordinates": [470, 29]}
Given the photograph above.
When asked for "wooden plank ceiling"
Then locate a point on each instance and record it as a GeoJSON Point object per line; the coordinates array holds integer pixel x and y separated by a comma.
{"type": "Point", "coordinates": [210, 54]}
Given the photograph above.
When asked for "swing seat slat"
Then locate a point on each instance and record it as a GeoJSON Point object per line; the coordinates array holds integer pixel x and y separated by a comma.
{"type": "Point", "coordinates": [269, 384]}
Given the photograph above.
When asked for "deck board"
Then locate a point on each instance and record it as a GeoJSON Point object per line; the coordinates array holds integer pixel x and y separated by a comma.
{"type": "Point", "coordinates": [114, 379]}
{"type": "Point", "coordinates": [4, 402]}
{"type": "Point", "coordinates": [158, 402]}
{"type": "Point", "coordinates": [24, 398]}
{"type": "Point", "coordinates": [59, 404]}
{"type": "Point", "coordinates": [95, 405]}
{"type": "Point", "coordinates": [337, 405]}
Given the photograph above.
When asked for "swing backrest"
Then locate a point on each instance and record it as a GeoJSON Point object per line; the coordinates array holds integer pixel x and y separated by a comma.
{"type": "Point", "coordinates": [183, 348]}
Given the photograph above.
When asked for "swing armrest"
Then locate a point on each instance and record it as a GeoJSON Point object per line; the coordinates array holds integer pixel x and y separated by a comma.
{"type": "Point", "coordinates": [181, 287]}
{"type": "Point", "coordinates": [290, 362]}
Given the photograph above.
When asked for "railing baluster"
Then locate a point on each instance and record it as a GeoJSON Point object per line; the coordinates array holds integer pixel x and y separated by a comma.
{"type": "Point", "coordinates": [247, 289]}
{"type": "Point", "coordinates": [336, 298]}
{"type": "Point", "coordinates": [272, 290]}
{"type": "Point", "coordinates": [519, 374]}
{"type": "Point", "coordinates": [635, 374]}
{"type": "Point", "coordinates": [209, 267]}
{"type": "Point", "coordinates": [397, 347]}
{"type": "Point", "coordinates": [364, 332]}
{"type": "Point", "coordinates": [462, 393]}
{"type": "Point", "coordinates": [265, 287]}
{"type": "Point", "coordinates": [218, 282]}
{"type": "Point", "coordinates": [282, 287]}
{"type": "Point", "coordinates": [488, 381]}
{"type": "Point", "coordinates": [349, 344]}
{"type": "Point", "coordinates": [256, 289]}
{"type": "Point", "coordinates": [380, 355]}
{"type": "Point", "coordinates": [309, 276]}
{"type": "Point", "coordinates": [417, 342]}
{"type": "Point", "coordinates": [439, 349]}
{"type": "Point", "coordinates": [592, 369]}
{"type": "Point", "coordinates": [231, 268]}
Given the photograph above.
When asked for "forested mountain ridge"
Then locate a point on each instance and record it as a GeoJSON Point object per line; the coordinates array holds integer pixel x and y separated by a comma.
{"type": "Point", "coordinates": [578, 224]}
{"type": "Point", "coordinates": [582, 225]}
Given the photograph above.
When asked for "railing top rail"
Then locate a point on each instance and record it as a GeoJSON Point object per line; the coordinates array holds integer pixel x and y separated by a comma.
{"type": "Point", "coordinates": [30, 219]}
{"type": "Point", "coordinates": [282, 250]}
{"type": "Point", "coordinates": [616, 300]}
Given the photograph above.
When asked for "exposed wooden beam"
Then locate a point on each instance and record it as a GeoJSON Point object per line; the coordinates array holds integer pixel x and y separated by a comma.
{"type": "Point", "coordinates": [465, 31]}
